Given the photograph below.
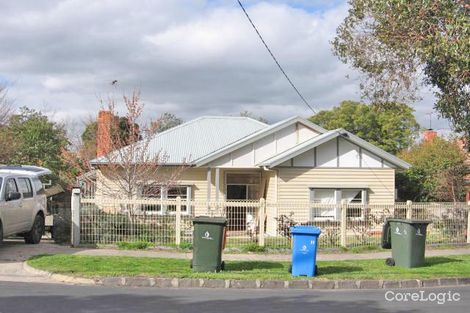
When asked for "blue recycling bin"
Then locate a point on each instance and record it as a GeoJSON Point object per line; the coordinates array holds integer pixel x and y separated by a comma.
{"type": "Point", "coordinates": [304, 250]}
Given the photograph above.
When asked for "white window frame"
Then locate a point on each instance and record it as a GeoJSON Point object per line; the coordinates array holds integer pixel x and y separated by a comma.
{"type": "Point", "coordinates": [247, 185]}
{"type": "Point", "coordinates": [164, 196]}
{"type": "Point", "coordinates": [338, 197]}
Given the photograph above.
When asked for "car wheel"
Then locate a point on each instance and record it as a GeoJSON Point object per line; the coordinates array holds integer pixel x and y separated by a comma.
{"type": "Point", "coordinates": [222, 266]}
{"type": "Point", "coordinates": [35, 234]}
{"type": "Point", "coordinates": [390, 262]}
{"type": "Point", "coordinates": [289, 269]}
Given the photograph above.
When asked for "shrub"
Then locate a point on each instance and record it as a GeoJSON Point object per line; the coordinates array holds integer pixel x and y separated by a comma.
{"type": "Point", "coordinates": [253, 247]}
{"type": "Point", "coordinates": [134, 245]}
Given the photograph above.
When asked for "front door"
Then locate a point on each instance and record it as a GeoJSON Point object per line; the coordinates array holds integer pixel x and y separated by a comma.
{"type": "Point", "coordinates": [241, 186]}
{"type": "Point", "coordinates": [236, 215]}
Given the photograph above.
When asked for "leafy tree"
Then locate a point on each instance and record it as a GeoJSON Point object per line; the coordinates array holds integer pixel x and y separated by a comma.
{"type": "Point", "coordinates": [165, 122]}
{"type": "Point", "coordinates": [391, 129]}
{"type": "Point", "coordinates": [437, 172]}
{"type": "Point", "coordinates": [38, 141]}
{"type": "Point", "coordinates": [396, 42]}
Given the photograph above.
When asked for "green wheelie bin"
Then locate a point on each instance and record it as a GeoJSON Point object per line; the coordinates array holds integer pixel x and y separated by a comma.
{"type": "Point", "coordinates": [208, 243]}
{"type": "Point", "coordinates": [407, 239]}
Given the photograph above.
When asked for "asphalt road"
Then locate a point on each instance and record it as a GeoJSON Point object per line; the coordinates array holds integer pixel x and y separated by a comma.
{"type": "Point", "coordinates": [34, 297]}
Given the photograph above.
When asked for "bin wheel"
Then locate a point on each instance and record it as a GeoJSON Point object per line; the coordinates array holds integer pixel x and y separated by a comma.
{"type": "Point", "coordinates": [222, 266]}
{"type": "Point", "coordinates": [290, 268]}
{"type": "Point", "coordinates": [390, 262]}
{"type": "Point", "coordinates": [191, 264]}
{"type": "Point", "coordinates": [316, 270]}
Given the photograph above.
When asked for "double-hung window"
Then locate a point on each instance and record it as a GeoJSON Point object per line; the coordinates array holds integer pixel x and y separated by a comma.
{"type": "Point", "coordinates": [158, 192]}
{"type": "Point", "coordinates": [326, 202]}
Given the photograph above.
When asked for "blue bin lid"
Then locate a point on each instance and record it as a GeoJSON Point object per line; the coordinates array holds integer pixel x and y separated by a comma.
{"type": "Point", "coordinates": [310, 230]}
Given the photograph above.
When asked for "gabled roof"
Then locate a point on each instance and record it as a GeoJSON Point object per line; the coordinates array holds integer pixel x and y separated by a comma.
{"type": "Point", "coordinates": [271, 129]}
{"type": "Point", "coordinates": [199, 137]}
{"type": "Point", "coordinates": [318, 140]}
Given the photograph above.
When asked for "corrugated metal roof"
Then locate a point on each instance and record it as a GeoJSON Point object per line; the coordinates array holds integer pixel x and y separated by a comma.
{"type": "Point", "coordinates": [200, 137]}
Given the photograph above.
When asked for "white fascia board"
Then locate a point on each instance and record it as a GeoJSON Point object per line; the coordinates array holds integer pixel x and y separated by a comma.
{"type": "Point", "coordinates": [248, 140]}
{"type": "Point", "coordinates": [316, 141]}
{"type": "Point", "coordinates": [376, 150]}
{"type": "Point", "coordinates": [313, 126]}
{"type": "Point", "coordinates": [299, 149]}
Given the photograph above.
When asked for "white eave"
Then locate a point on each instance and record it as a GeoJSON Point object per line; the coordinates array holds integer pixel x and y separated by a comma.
{"type": "Point", "coordinates": [256, 136]}
{"type": "Point", "coordinates": [316, 141]}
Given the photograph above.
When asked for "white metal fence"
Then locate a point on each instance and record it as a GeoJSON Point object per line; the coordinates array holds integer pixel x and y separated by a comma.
{"type": "Point", "coordinates": [250, 223]}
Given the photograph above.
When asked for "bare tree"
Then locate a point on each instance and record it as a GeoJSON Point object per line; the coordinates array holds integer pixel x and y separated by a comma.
{"type": "Point", "coordinates": [6, 108]}
{"type": "Point", "coordinates": [131, 165]}
{"type": "Point", "coordinates": [7, 142]}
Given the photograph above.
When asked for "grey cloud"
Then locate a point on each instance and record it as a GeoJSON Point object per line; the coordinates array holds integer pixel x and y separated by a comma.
{"type": "Point", "coordinates": [188, 57]}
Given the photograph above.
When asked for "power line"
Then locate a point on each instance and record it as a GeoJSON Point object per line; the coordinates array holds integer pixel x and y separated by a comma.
{"type": "Point", "coordinates": [275, 60]}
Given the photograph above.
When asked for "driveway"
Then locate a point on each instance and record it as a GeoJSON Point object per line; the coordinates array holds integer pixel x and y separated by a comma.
{"type": "Point", "coordinates": [13, 252]}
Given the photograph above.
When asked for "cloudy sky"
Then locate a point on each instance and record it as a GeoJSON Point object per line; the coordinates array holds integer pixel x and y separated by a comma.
{"type": "Point", "coordinates": [188, 57]}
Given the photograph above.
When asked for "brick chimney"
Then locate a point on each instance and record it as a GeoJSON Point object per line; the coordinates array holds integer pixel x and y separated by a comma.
{"type": "Point", "coordinates": [429, 135]}
{"type": "Point", "coordinates": [103, 133]}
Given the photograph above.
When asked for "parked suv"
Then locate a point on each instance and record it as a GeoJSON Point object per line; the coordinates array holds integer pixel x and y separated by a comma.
{"type": "Point", "coordinates": [23, 203]}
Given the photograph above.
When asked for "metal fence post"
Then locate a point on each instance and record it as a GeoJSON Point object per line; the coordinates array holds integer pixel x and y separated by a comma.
{"type": "Point", "coordinates": [409, 209]}
{"type": "Point", "coordinates": [344, 219]}
{"type": "Point", "coordinates": [262, 214]}
{"type": "Point", "coordinates": [75, 235]}
{"type": "Point", "coordinates": [468, 222]}
{"type": "Point", "coordinates": [178, 221]}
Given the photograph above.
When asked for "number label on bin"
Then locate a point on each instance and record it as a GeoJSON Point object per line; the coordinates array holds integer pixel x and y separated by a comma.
{"type": "Point", "coordinates": [418, 232]}
{"type": "Point", "coordinates": [207, 236]}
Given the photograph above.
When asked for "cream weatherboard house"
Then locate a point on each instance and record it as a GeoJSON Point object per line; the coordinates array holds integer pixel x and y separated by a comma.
{"type": "Point", "coordinates": [292, 161]}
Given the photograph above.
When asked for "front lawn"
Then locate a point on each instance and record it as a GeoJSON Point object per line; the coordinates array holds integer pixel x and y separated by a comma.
{"type": "Point", "coordinates": [106, 266]}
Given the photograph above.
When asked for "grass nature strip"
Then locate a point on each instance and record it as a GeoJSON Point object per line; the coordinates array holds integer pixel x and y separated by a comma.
{"type": "Point", "coordinates": [111, 266]}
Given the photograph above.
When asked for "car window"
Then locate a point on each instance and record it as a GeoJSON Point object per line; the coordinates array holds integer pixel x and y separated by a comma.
{"type": "Point", "coordinates": [38, 186]}
{"type": "Point", "coordinates": [24, 184]}
{"type": "Point", "coordinates": [10, 186]}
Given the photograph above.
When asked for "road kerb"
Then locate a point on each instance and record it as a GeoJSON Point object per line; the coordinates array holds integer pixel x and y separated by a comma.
{"type": "Point", "coordinates": [314, 284]}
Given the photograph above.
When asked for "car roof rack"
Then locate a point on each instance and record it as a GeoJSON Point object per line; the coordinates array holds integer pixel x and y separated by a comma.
{"type": "Point", "coordinates": [25, 170]}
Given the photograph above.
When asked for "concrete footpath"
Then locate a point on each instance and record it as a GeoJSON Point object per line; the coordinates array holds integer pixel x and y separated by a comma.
{"type": "Point", "coordinates": [13, 253]}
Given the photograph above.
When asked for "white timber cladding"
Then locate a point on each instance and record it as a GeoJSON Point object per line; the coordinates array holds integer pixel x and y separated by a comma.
{"type": "Point", "coordinates": [327, 154]}
{"type": "Point", "coordinates": [264, 148]}
{"type": "Point", "coordinates": [348, 154]}
{"type": "Point", "coordinates": [294, 183]}
{"type": "Point", "coordinates": [370, 160]}
{"type": "Point", "coordinates": [337, 153]}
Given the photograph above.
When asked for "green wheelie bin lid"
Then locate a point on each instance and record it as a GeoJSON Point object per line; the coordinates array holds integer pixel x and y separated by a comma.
{"type": "Point", "coordinates": [409, 221]}
{"type": "Point", "coordinates": [210, 220]}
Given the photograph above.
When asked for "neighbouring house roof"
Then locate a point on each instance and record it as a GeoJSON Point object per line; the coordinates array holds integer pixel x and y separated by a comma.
{"type": "Point", "coordinates": [271, 129]}
{"type": "Point", "coordinates": [198, 138]}
{"type": "Point", "coordinates": [318, 140]}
